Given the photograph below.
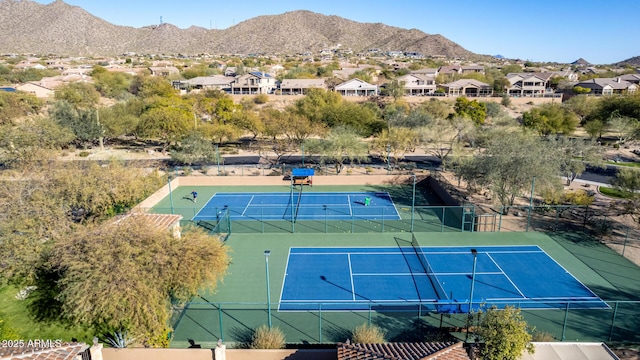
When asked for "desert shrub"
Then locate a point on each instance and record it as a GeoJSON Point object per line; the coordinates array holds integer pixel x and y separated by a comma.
{"type": "Point", "coordinates": [261, 99]}
{"type": "Point", "coordinates": [265, 338]}
{"type": "Point", "coordinates": [542, 336]}
{"type": "Point", "coordinates": [368, 334]}
{"type": "Point", "coordinates": [83, 153]}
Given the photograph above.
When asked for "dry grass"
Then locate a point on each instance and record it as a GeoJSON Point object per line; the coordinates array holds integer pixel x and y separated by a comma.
{"type": "Point", "coordinates": [368, 334]}
{"type": "Point", "coordinates": [265, 338]}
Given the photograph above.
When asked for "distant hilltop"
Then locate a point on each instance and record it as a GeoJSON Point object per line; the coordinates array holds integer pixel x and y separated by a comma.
{"type": "Point", "coordinates": [60, 28]}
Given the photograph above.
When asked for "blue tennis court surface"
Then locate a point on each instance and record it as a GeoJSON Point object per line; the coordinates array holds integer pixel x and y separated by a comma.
{"type": "Point", "coordinates": [390, 277]}
{"type": "Point", "coordinates": [300, 206]}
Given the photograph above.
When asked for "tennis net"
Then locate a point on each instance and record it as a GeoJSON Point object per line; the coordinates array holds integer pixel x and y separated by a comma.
{"type": "Point", "coordinates": [442, 294]}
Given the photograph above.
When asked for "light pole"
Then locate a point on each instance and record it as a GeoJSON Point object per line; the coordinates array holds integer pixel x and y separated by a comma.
{"type": "Point", "coordinates": [413, 201]}
{"type": "Point", "coordinates": [266, 262]}
{"type": "Point", "coordinates": [170, 192]}
{"type": "Point", "coordinates": [473, 277]}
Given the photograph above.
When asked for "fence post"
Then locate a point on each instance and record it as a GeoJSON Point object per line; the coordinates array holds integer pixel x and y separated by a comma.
{"type": "Point", "coordinates": [320, 323]}
{"type": "Point", "coordinates": [369, 313]}
{"type": "Point", "coordinates": [613, 321]}
{"type": "Point", "coordinates": [262, 219]}
{"type": "Point", "coordinates": [500, 220]}
{"type": "Point", "coordinates": [382, 230]}
{"type": "Point", "coordinates": [564, 324]}
{"type": "Point", "coordinates": [442, 222]}
{"type": "Point", "coordinates": [220, 321]}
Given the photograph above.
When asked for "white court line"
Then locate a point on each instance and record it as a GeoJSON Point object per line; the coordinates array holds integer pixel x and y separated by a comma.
{"type": "Point", "coordinates": [353, 290]}
{"type": "Point", "coordinates": [247, 206]}
{"type": "Point", "coordinates": [350, 208]}
{"type": "Point", "coordinates": [286, 269]}
{"type": "Point", "coordinates": [507, 276]}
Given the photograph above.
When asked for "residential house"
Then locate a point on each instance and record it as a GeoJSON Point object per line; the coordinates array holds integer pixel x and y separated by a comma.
{"type": "Point", "coordinates": [301, 86]}
{"type": "Point", "coordinates": [467, 87]}
{"type": "Point", "coordinates": [570, 350]}
{"type": "Point", "coordinates": [24, 65]}
{"type": "Point", "coordinates": [36, 88]}
{"type": "Point", "coordinates": [231, 71]}
{"type": "Point", "coordinates": [608, 86]}
{"type": "Point", "coordinates": [472, 69]}
{"type": "Point", "coordinates": [402, 351]}
{"type": "Point", "coordinates": [632, 78]}
{"type": "Point", "coordinates": [426, 71]}
{"type": "Point", "coordinates": [418, 84]}
{"type": "Point", "coordinates": [163, 71]}
{"type": "Point", "coordinates": [356, 87]}
{"type": "Point", "coordinates": [450, 69]}
{"type": "Point", "coordinates": [219, 82]}
{"type": "Point", "coordinates": [254, 83]}
{"type": "Point", "coordinates": [529, 84]}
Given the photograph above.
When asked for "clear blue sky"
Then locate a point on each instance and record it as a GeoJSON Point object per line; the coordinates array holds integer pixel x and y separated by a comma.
{"type": "Point", "coordinates": [600, 31]}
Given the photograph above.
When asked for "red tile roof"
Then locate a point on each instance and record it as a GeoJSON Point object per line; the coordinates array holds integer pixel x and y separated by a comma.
{"type": "Point", "coordinates": [403, 351]}
{"type": "Point", "coordinates": [56, 351]}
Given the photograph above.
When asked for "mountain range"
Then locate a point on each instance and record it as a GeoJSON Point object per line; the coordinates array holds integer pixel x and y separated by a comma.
{"type": "Point", "coordinates": [59, 28]}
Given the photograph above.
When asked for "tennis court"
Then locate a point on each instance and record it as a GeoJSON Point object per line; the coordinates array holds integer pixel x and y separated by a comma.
{"type": "Point", "coordinates": [347, 278]}
{"type": "Point", "coordinates": [299, 205]}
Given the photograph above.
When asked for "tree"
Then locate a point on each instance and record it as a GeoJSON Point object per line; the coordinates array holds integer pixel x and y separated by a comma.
{"type": "Point", "coordinates": [574, 154]}
{"type": "Point", "coordinates": [27, 140]}
{"type": "Point", "coordinates": [504, 334]}
{"type": "Point", "coordinates": [80, 95]}
{"type": "Point", "coordinates": [440, 136]}
{"type": "Point", "coordinates": [166, 122]}
{"type": "Point", "coordinates": [581, 105]}
{"type": "Point", "coordinates": [397, 141]}
{"type": "Point", "coordinates": [474, 110]}
{"type": "Point", "coordinates": [340, 146]}
{"type": "Point", "coordinates": [194, 148]}
{"type": "Point", "coordinates": [18, 104]}
{"type": "Point", "coordinates": [628, 182]}
{"type": "Point", "coordinates": [46, 202]}
{"type": "Point", "coordinates": [622, 126]}
{"type": "Point", "coordinates": [114, 85]}
{"type": "Point", "coordinates": [581, 90]}
{"type": "Point", "coordinates": [124, 274]}
{"type": "Point", "coordinates": [594, 128]}
{"type": "Point", "coordinates": [394, 89]}
{"type": "Point", "coordinates": [509, 163]}
{"type": "Point", "coordinates": [550, 119]}
{"type": "Point", "coordinates": [82, 122]}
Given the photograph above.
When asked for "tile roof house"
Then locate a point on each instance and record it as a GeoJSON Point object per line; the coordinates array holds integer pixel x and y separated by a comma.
{"type": "Point", "coordinates": [254, 83]}
{"type": "Point", "coordinates": [356, 87]}
{"type": "Point", "coordinates": [608, 86]}
{"type": "Point", "coordinates": [528, 84]}
{"type": "Point", "coordinates": [467, 87]}
{"type": "Point", "coordinates": [37, 88]}
{"type": "Point", "coordinates": [402, 351]}
{"type": "Point", "coordinates": [301, 86]}
{"type": "Point", "coordinates": [47, 351]}
{"type": "Point", "coordinates": [163, 70]}
{"type": "Point", "coordinates": [418, 84]}
{"type": "Point", "coordinates": [632, 78]}
{"type": "Point", "coordinates": [219, 82]}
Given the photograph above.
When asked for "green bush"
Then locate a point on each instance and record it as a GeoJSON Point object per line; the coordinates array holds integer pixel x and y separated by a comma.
{"type": "Point", "coordinates": [265, 338]}
{"type": "Point", "coordinates": [261, 99]}
{"type": "Point", "coordinates": [83, 154]}
{"type": "Point", "coordinates": [368, 334]}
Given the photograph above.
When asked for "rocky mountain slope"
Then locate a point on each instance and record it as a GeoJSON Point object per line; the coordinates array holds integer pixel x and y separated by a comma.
{"type": "Point", "coordinates": [59, 28]}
